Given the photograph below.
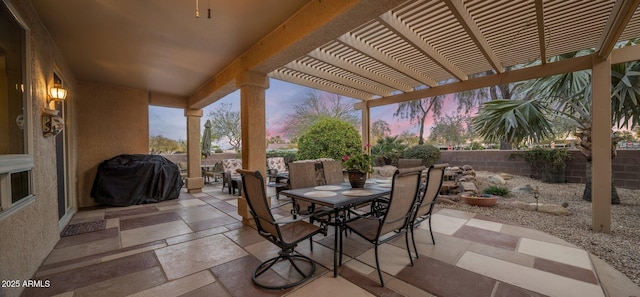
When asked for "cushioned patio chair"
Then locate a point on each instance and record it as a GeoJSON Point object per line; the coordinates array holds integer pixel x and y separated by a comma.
{"type": "Point", "coordinates": [230, 177]}
{"type": "Point", "coordinates": [427, 200]}
{"type": "Point", "coordinates": [183, 166]}
{"type": "Point", "coordinates": [285, 234]}
{"type": "Point", "coordinates": [214, 172]}
{"type": "Point", "coordinates": [393, 216]}
{"type": "Point", "coordinates": [276, 167]}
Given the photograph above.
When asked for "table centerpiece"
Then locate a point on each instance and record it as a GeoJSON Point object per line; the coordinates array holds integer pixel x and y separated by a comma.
{"type": "Point", "coordinates": [358, 165]}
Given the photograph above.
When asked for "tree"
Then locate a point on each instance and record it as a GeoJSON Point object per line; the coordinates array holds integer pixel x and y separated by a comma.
{"type": "Point", "coordinates": [226, 123]}
{"type": "Point", "coordinates": [468, 100]}
{"type": "Point", "coordinates": [313, 108]}
{"type": "Point", "coordinates": [275, 140]}
{"type": "Point", "coordinates": [408, 138]}
{"type": "Point", "coordinates": [626, 136]}
{"type": "Point", "coordinates": [379, 129]}
{"type": "Point", "coordinates": [566, 96]}
{"type": "Point", "coordinates": [418, 110]}
{"type": "Point", "coordinates": [329, 138]}
{"type": "Point", "coordinates": [449, 129]}
{"type": "Point", "coordinates": [161, 145]}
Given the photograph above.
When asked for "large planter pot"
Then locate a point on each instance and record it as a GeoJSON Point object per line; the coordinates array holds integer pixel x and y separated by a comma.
{"type": "Point", "coordinates": [480, 201]}
{"type": "Point", "coordinates": [357, 179]}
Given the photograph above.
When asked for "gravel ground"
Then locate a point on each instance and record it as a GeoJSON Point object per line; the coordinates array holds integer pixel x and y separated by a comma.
{"type": "Point", "coordinates": [620, 248]}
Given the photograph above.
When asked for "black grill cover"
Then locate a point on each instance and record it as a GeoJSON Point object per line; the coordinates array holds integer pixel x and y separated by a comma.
{"type": "Point", "coordinates": [136, 179]}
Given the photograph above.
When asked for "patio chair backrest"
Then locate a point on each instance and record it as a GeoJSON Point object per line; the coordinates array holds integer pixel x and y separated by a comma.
{"type": "Point", "coordinates": [254, 188]}
{"type": "Point", "coordinates": [408, 163]}
{"type": "Point", "coordinates": [435, 176]}
{"type": "Point", "coordinates": [231, 165]}
{"type": "Point", "coordinates": [302, 175]}
{"type": "Point", "coordinates": [404, 192]}
{"type": "Point", "coordinates": [332, 172]}
{"type": "Point", "coordinates": [277, 163]}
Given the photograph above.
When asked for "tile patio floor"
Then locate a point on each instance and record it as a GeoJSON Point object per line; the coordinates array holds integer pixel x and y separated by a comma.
{"type": "Point", "coordinates": [197, 246]}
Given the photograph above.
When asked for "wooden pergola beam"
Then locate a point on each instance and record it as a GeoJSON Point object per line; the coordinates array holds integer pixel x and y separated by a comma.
{"type": "Point", "coordinates": [461, 13]}
{"type": "Point", "coordinates": [354, 42]}
{"type": "Point", "coordinates": [393, 22]}
{"type": "Point", "coordinates": [620, 15]}
{"type": "Point", "coordinates": [564, 66]}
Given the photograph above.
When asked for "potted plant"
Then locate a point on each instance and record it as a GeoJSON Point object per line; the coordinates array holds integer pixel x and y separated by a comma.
{"type": "Point", "coordinates": [357, 166]}
{"type": "Point", "coordinates": [480, 199]}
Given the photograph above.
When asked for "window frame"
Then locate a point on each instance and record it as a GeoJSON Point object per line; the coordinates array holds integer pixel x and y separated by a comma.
{"type": "Point", "coordinates": [14, 163]}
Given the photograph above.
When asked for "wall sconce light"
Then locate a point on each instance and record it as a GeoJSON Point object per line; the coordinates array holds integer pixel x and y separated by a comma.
{"type": "Point", "coordinates": [57, 92]}
{"type": "Point", "coordinates": [52, 121]}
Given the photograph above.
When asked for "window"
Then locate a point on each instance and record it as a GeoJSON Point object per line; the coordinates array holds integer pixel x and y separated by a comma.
{"type": "Point", "coordinates": [16, 162]}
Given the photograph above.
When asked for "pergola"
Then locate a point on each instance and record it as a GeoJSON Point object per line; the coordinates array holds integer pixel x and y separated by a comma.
{"type": "Point", "coordinates": [391, 51]}
{"type": "Point", "coordinates": [385, 52]}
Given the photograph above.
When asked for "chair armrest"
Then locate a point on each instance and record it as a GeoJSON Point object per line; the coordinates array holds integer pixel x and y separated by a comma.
{"type": "Point", "coordinates": [288, 220]}
{"type": "Point", "coordinates": [281, 205]}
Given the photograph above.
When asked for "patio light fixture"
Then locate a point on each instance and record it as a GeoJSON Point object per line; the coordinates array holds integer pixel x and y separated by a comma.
{"type": "Point", "coordinates": [57, 92]}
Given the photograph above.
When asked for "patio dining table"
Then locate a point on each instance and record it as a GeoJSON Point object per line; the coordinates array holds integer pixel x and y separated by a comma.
{"type": "Point", "coordinates": [339, 197]}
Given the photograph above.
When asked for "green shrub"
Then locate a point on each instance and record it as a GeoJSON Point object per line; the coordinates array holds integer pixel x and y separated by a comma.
{"type": "Point", "coordinates": [428, 153]}
{"type": "Point", "coordinates": [329, 138]}
{"type": "Point", "coordinates": [388, 150]}
{"type": "Point", "coordinates": [476, 146]}
{"type": "Point", "coordinates": [537, 157]}
{"type": "Point", "coordinates": [546, 164]}
{"type": "Point", "coordinates": [496, 190]}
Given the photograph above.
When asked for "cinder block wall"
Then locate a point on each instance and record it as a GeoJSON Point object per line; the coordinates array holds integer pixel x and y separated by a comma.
{"type": "Point", "coordinates": [626, 166]}
{"type": "Point", "coordinates": [212, 159]}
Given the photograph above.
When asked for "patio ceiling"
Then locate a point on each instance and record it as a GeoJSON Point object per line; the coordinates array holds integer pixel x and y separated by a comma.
{"type": "Point", "coordinates": [378, 51]}
{"type": "Point", "coordinates": [429, 44]}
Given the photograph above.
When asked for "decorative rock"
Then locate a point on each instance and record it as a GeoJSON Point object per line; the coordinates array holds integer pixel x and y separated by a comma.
{"type": "Point", "coordinates": [496, 179]}
{"type": "Point", "coordinates": [467, 167]}
{"type": "Point", "coordinates": [469, 187]}
{"type": "Point", "coordinates": [554, 209]}
{"type": "Point", "coordinates": [454, 198]}
{"type": "Point", "coordinates": [506, 176]}
{"type": "Point", "coordinates": [527, 189]}
{"type": "Point", "coordinates": [466, 178]}
{"type": "Point", "coordinates": [445, 201]}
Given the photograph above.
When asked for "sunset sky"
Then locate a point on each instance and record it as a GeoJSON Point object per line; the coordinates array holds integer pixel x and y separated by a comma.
{"type": "Point", "coordinates": [280, 99]}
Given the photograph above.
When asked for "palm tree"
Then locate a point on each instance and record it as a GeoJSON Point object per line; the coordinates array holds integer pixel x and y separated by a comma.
{"type": "Point", "coordinates": [388, 149]}
{"type": "Point", "coordinates": [568, 97]}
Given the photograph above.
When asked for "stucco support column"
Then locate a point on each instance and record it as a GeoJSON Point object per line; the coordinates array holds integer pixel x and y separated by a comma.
{"type": "Point", "coordinates": [366, 125]}
{"type": "Point", "coordinates": [194, 181]}
{"type": "Point", "coordinates": [601, 144]}
{"type": "Point", "coordinates": [253, 121]}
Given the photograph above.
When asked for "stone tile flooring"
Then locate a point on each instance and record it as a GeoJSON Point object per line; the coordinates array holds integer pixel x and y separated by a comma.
{"type": "Point", "coordinates": [197, 246]}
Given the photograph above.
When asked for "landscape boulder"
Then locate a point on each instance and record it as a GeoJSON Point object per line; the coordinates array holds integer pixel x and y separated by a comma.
{"type": "Point", "coordinates": [496, 179]}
